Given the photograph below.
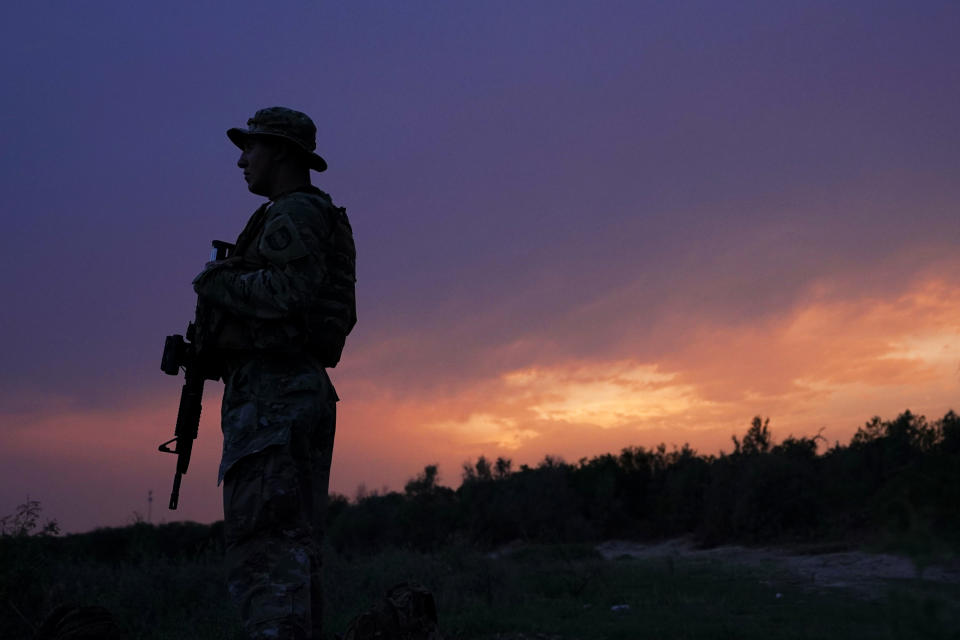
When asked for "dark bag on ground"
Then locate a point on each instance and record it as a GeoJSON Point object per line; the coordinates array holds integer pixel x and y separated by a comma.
{"type": "Point", "coordinates": [408, 612]}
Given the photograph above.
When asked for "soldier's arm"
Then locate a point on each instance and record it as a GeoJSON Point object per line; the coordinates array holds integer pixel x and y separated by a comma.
{"type": "Point", "coordinates": [286, 284]}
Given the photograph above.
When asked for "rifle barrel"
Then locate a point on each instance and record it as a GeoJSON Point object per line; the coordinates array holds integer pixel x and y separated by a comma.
{"type": "Point", "coordinates": [175, 494]}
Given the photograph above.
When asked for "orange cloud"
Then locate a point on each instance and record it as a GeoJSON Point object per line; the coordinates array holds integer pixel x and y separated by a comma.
{"type": "Point", "coordinates": [606, 394]}
{"type": "Point", "coordinates": [827, 362]}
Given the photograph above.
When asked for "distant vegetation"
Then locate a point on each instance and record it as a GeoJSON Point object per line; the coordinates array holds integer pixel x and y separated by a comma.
{"type": "Point", "coordinates": [897, 482]}
{"type": "Point", "coordinates": [895, 485]}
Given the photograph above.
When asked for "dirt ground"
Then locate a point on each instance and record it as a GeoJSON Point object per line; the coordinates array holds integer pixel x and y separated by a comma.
{"type": "Point", "coordinates": [865, 573]}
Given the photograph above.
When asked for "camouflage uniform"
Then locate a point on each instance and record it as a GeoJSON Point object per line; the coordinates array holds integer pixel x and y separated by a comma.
{"type": "Point", "coordinates": [277, 311]}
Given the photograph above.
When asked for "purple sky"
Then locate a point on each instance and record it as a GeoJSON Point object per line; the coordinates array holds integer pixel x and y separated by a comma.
{"type": "Point", "coordinates": [531, 185]}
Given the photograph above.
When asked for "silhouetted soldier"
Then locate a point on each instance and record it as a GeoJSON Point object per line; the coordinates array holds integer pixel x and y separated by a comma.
{"type": "Point", "coordinates": [277, 311]}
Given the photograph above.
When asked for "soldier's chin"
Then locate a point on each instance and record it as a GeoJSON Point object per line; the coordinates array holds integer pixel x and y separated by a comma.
{"type": "Point", "coordinates": [258, 189]}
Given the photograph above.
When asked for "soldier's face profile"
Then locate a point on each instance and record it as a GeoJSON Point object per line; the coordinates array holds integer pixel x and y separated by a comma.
{"type": "Point", "coordinates": [257, 161]}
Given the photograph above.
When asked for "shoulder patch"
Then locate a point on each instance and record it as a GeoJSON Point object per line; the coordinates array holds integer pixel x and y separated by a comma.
{"type": "Point", "coordinates": [281, 241]}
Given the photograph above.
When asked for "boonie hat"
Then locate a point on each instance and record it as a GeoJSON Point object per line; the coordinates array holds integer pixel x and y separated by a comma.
{"type": "Point", "coordinates": [281, 122]}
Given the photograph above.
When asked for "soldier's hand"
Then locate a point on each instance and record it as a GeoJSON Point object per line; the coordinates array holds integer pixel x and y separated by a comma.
{"type": "Point", "coordinates": [216, 265]}
{"type": "Point", "coordinates": [208, 268]}
{"type": "Point", "coordinates": [226, 262]}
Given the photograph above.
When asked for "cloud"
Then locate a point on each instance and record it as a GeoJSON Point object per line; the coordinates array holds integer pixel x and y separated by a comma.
{"type": "Point", "coordinates": [607, 394]}
{"type": "Point", "coordinates": [827, 360]}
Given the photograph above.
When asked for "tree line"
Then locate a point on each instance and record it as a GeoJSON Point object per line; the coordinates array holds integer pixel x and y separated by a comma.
{"type": "Point", "coordinates": [896, 481]}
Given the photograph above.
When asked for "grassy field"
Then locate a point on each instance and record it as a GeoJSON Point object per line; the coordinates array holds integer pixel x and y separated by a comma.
{"type": "Point", "coordinates": [571, 592]}
{"type": "Point", "coordinates": [541, 591]}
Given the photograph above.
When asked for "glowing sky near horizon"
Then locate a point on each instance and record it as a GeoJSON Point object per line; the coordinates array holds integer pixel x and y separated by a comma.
{"type": "Point", "coordinates": [580, 226]}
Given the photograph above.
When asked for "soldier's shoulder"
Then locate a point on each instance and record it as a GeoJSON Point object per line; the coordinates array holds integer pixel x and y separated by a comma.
{"type": "Point", "coordinates": [323, 213]}
{"type": "Point", "coordinates": [306, 200]}
{"type": "Point", "coordinates": [312, 207]}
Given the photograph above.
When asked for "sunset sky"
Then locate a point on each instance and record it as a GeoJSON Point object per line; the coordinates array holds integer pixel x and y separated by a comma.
{"type": "Point", "coordinates": [580, 226]}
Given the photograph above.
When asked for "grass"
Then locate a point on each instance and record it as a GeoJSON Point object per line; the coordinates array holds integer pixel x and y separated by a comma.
{"type": "Point", "coordinates": [570, 592]}
{"type": "Point", "coordinates": [538, 591]}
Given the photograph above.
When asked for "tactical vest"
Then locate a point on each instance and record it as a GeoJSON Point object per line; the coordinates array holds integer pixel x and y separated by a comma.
{"type": "Point", "coordinates": [322, 328]}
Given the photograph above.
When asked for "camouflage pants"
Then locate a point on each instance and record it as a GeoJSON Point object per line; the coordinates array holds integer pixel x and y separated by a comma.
{"type": "Point", "coordinates": [273, 505]}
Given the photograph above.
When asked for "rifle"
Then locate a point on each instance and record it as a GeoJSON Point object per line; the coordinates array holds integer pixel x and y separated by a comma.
{"type": "Point", "coordinates": [179, 353]}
